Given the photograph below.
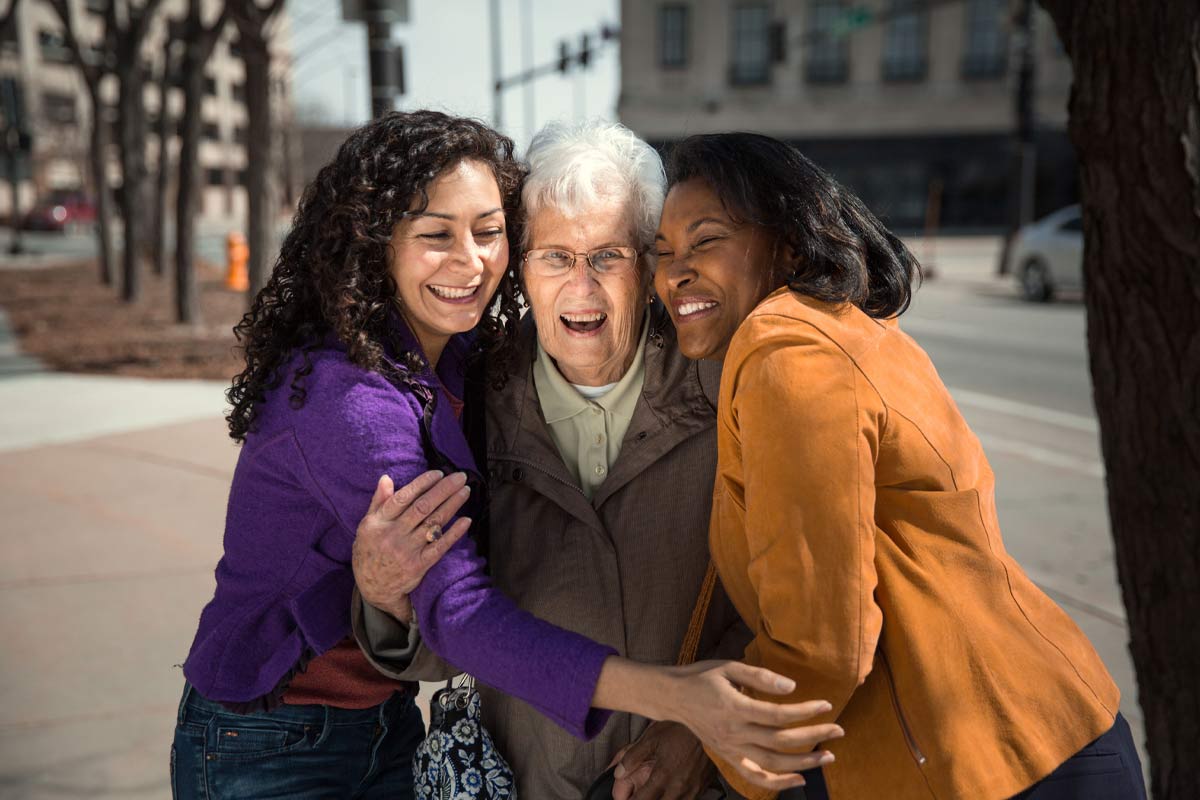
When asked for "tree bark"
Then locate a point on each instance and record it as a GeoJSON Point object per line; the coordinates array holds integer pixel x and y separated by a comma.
{"type": "Point", "coordinates": [132, 124]}
{"type": "Point", "coordinates": [1135, 125]}
{"type": "Point", "coordinates": [251, 21]}
{"type": "Point", "coordinates": [98, 155]}
{"type": "Point", "coordinates": [164, 163]}
{"type": "Point", "coordinates": [258, 160]}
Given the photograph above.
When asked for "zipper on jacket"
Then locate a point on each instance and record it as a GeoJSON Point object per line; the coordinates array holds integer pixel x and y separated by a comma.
{"type": "Point", "coordinates": [917, 755]}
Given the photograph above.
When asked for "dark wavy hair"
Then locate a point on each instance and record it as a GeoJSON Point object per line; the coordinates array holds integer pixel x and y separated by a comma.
{"type": "Point", "coordinates": [333, 274]}
{"type": "Point", "coordinates": [840, 252]}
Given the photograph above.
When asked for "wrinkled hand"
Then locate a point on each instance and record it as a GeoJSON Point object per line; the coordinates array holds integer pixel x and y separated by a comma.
{"type": "Point", "coordinates": [666, 763]}
{"type": "Point", "coordinates": [393, 548]}
{"type": "Point", "coordinates": [756, 737]}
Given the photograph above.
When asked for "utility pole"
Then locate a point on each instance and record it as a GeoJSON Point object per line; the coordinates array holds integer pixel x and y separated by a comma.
{"type": "Point", "coordinates": [385, 78]}
{"type": "Point", "coordinates": [1022, 195]}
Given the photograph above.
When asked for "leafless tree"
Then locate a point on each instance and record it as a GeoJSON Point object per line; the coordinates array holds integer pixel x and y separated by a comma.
{"type": "Point", "coordinates": [254, 41]}
{"type": "Point", "coordinates": [163, 129]}
{"type": "Point", "coordinates": [199, 40]}
{"type": "Point", "coordinates": [93, 66]}
{"type": "Point", "coordinates": [1135, 126]}
{"type": "Point", "coordinates": [127, 38]}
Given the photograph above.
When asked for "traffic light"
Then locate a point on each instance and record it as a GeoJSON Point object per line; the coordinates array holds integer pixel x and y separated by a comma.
{"type": "Point", "coordinates": [564, 57]}
{"type": "Point", "coordinates": [609, 32]}
{"type": "Point", "coordinates": [585, 50]}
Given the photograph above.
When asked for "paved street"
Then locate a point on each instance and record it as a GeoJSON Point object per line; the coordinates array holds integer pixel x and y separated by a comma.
{"type": "Point", "coordinates": [113, 493]}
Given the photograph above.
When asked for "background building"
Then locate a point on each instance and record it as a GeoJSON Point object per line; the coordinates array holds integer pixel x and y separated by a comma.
{"type": "Point", "coordinates": [905, 101]}
{"type": "Point", "coordinates": [58, 109]}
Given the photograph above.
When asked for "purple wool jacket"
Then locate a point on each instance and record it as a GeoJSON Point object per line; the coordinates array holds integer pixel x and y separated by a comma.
{"type": "Point", "coordinates": [303, 480]}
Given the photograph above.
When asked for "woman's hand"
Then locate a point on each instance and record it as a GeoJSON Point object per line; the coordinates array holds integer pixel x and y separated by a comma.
{"type": "Point", "coordinates": [401, 537]}
{"type": "Point", "coordinates": [758, 738]}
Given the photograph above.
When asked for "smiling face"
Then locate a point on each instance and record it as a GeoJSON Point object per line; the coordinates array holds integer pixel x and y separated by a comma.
{"type": "Point", "coordinates": [448, 259]}
{"type": "Point", "coordinates": [589, 324]}
{"type": "Point", "coordinates": [711, 271]}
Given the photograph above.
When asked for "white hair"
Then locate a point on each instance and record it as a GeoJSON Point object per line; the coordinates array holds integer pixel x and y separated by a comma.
{"type": "Point", "coordinates": [575, 168]}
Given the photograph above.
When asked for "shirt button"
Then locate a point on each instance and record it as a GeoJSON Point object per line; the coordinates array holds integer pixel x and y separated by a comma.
{"type": "Point", "coordinates": [599, 438]}
{"type": "Point", "coordinates": [600, 470]}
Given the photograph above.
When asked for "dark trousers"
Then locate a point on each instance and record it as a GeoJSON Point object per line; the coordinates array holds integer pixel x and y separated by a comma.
{"type": "Point", "coordinates": [294, 752]}
{"type": "Point", "coordinates": [1107, 769]}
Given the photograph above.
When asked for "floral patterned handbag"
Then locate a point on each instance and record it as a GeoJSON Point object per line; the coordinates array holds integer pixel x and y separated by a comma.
{"type": "Point", "coordinates": [458, 759]}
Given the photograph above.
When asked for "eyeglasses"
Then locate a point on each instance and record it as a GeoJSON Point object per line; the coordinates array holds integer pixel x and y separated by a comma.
{"type": "Point", "coordinates": [554, 262]}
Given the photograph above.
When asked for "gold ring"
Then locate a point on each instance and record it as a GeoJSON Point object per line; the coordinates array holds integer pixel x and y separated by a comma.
{"type": "Point", "coordinates": [433, 533]}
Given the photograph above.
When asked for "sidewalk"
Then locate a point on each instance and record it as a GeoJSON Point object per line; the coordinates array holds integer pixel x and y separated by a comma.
{"type": "Point", "coordinates": [113, 494]}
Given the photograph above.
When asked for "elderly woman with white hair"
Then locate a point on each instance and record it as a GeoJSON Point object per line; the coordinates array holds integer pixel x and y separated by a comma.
{"type": "Point", "coordinates": [601, 452]}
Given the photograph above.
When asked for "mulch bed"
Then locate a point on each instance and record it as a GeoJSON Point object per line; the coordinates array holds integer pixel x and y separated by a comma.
{"type": "Point", "coordinates": [68, 319]}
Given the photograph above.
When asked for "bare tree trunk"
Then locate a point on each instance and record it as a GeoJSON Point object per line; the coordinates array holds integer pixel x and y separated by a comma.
{"type": "Point", "coordinates": [187, 307]}
{"type": "Point", "coordinates": [198, 43]}
{"type": "Point", "coordinates": [252, 20]}
{"type": "Point", "coordinates": [258, 160]}
{"type": "Point", "coordinates": [98, 154]}
{"type": "Point", "coordinates": [1135, 125]}
{"type": "Point", "coordinates": [132, 121]}
{"type": "Point", "coordinates": [164, 163]}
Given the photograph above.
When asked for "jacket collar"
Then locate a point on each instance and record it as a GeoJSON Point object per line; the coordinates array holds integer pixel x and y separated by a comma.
{"type": "Point", "coordinates": [672, 407]}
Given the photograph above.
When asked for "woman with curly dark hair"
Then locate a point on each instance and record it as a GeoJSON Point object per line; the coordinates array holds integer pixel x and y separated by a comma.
{"type": "Point", "coordinates": [854, 522]}
{"type": "Point", "coordinates": [361, 356]}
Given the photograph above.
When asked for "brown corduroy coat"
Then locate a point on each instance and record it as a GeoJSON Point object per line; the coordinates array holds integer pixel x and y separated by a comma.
{"type": "Point", "coordinates": [624, 569]}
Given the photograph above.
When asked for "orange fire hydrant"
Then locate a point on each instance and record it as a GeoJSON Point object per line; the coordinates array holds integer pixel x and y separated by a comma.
{"type": "Point", "coordinates": [237, 254]}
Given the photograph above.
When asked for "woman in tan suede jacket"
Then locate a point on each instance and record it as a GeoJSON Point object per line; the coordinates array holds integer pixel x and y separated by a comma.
{"type": "Point", "coordinates": [854, 524]}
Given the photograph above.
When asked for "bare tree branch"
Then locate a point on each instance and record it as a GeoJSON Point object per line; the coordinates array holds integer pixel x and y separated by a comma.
{"type": "Point", "coordinates": [9, 17]}
{"type": "Point", "coordinates": [212, 34]}
{"type": "Point", "coordinates": [92, 73]}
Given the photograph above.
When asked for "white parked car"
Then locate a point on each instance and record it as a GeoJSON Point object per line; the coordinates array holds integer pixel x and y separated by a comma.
{"type": "Point", "coordinates": [1048, 255]}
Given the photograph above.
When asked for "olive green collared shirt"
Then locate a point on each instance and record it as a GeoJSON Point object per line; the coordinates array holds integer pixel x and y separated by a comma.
{"type": "Point", "coordinates": [588, 433]}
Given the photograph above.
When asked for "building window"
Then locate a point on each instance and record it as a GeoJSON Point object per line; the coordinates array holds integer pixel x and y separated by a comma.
{"type": "Point", "coordinates": [672, 36]}
{"type": "Point", "coordinates": [239, 135]}
{"type": "Point", "coordinates": [53, 47]}
{"type": "Point", "coordinates": [751, 45]}
{"type": "Point", "coordinates": [239, 92]}
{"type": "Point", "coordinates": [986, 54]}
{"type": "Point", "coordinates": [58, 107]}
{"type": "Point", "coordinates": [215, 177]}
{"type": "Point", "coordinates": [828, 54]}
{"type": "Point", "coordinates": [211, 131]}
{"type": "Point", "coordinates": [210, 86]}
{"type": "Point", "coordinates": [99, 7]}
{"type": "Point", "coordinates": [905, 45]}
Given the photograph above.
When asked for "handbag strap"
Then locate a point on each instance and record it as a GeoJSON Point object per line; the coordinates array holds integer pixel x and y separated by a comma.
{"type": "Point", "coordinates": [691, 640]}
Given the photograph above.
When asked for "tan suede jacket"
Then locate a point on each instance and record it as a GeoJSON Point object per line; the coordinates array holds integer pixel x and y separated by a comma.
{"type": "Point", "coordinates": [854, 527]}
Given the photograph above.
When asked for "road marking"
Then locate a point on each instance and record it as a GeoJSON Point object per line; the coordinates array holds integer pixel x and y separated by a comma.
{"type": "Point", "coordinates": [1015, 408]}
{"type": "Point", "coordinates": [1032, 452]}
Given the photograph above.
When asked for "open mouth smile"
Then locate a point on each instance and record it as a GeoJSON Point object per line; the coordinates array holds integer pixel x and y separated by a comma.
{"type": "Point", "coordinates": [454, 294]}
{"type": "Point", "coordinates": [694, 308]}
{"type": "Point", "coordinates": [584, 323]}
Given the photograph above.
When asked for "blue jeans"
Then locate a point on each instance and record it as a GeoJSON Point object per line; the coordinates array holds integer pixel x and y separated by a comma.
{"type": "Point", "coordinates": [294, 751]}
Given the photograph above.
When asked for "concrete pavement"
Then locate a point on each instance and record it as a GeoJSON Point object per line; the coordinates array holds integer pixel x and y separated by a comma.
{"type": "Point", "coordinates": [113, 492]}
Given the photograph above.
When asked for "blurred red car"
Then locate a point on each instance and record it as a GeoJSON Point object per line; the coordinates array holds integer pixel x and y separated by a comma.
{"type": "Point", "coordinates": [61, 211]}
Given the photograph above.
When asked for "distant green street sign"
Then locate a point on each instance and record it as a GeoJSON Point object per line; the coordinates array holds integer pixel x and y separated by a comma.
{"type": "Point", "coordinates": [852, 19]}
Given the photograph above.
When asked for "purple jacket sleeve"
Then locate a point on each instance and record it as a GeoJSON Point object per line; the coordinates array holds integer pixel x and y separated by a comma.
{"type": "Point", "coordinates": [359, 427]}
